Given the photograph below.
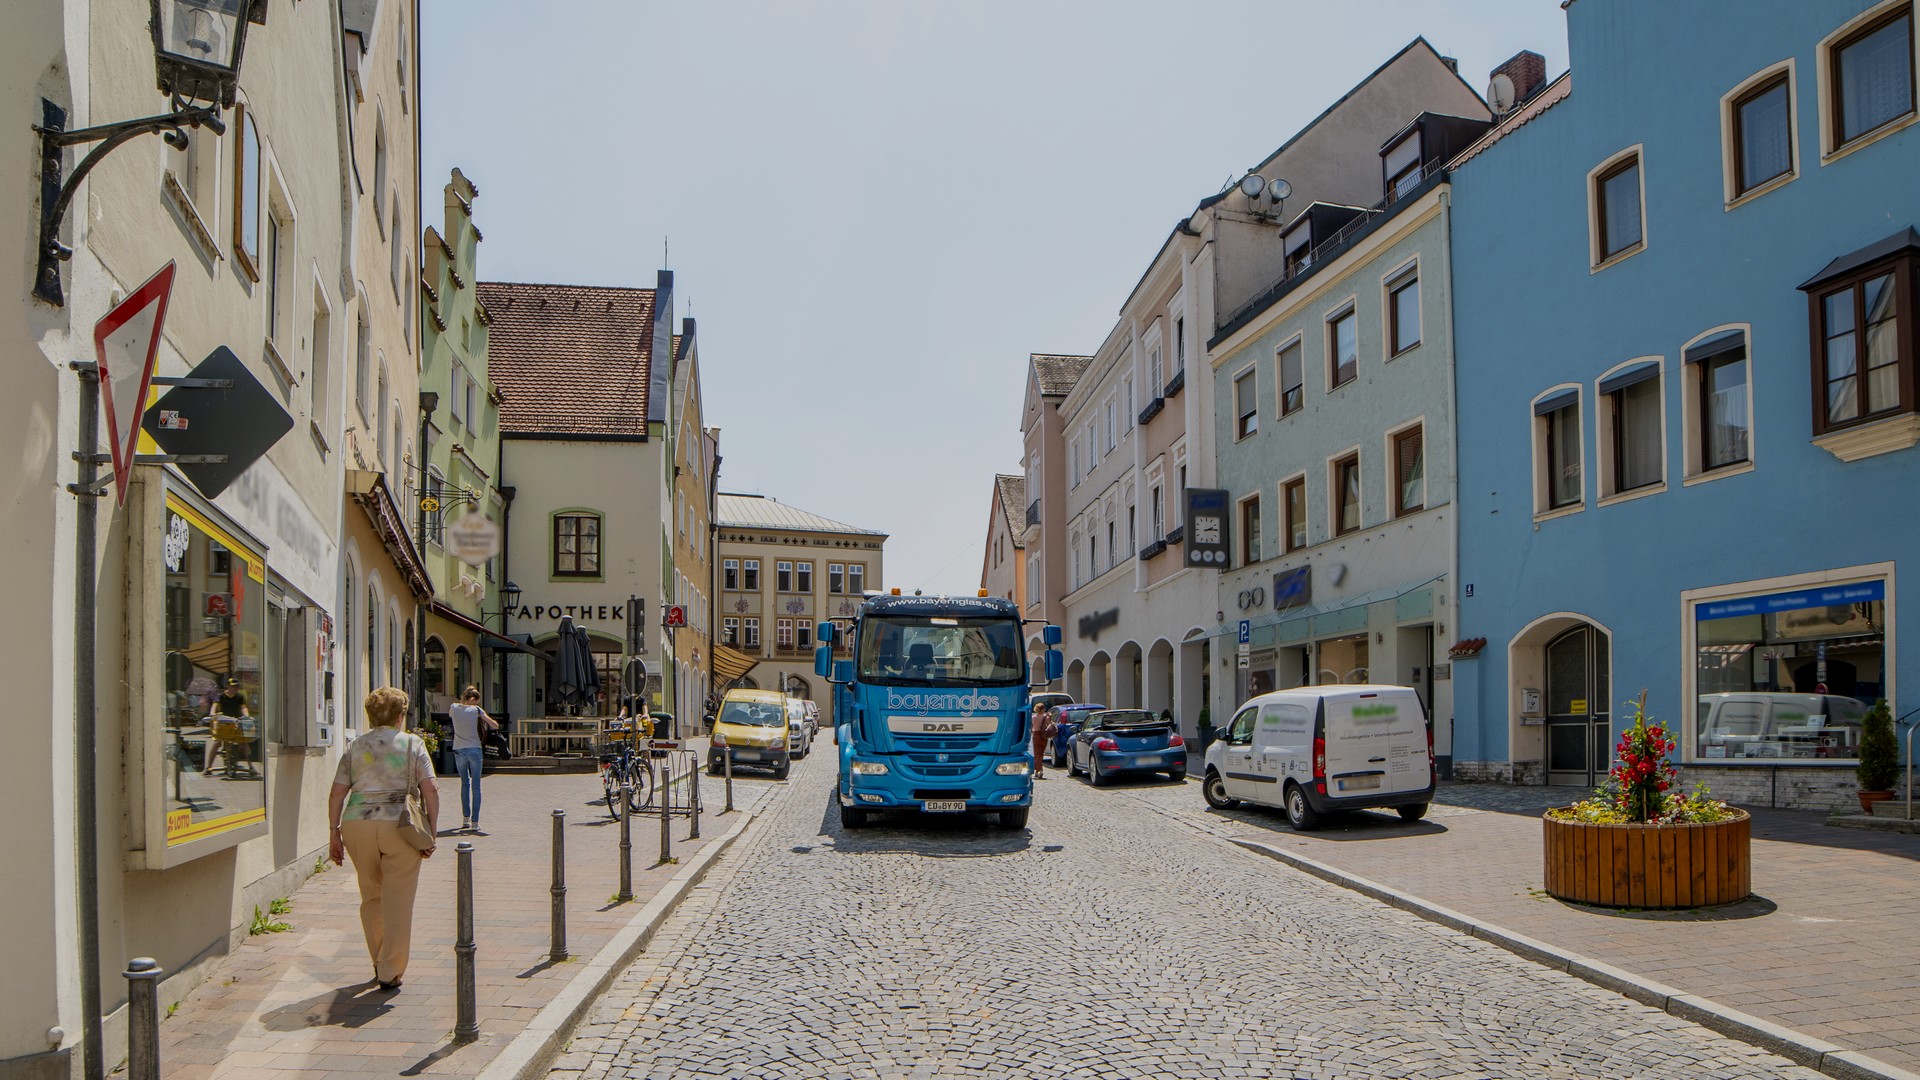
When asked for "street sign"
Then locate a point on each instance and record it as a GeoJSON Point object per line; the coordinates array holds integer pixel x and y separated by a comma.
{"type": "Point", "coordinates": [1246, 661]}
{"type": "Point", "coordinates": [676, 615]}
{"type": "Point", "coordinates": [663, 744]}
{"type": "Point", "coordinates": [241, 422]}
{"type": "Point", "coordinates": [474, 538]}
{"type": "Point", "coordinates": [1246, 631]}
{"type": "Point", "coordinates": [125, 342]}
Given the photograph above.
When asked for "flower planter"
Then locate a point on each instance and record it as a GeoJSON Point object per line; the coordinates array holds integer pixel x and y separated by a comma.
{"type": "Point", "coordinates": [1868, 798]}
{"type": "Point", "coordinates": [1649, 866]}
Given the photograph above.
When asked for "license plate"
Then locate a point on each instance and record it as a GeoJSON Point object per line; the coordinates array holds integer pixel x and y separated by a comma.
{"type": "Point", "coordinates": [747, 755]}
{"type": "Point", "coordinates": [946, 806]}
{"type": "Point", "coordinates": [1147, 759]}
{"type": "Point", "coordinates": [1360, 783]}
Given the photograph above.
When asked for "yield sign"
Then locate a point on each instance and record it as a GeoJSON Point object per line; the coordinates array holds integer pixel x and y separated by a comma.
{"type": "Point", "coordinates": [125, 342]}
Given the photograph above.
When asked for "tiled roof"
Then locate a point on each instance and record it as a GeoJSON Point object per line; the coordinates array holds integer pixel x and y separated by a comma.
{"type": "Point", "coordinates": [760, 512]}
{"type": "Point", "coordinates": [569, 359]}
{"type": "Point", "coordinates": [1058, 373]}
{"type": "Point", "coordinates": [1013, 503]}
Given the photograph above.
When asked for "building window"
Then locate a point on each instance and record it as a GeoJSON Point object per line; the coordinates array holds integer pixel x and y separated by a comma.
{"type": "Point", "coordinates": [1761, 122]}
{"type": "Point", "coordinates": [1112, 426]}
{"type": "Point", "coordinates": [783, 576]}
{"type": "Point", "coordinates": [1292, 380]}
{"type": "Point", "coordinates": [380, 164]}
{"type": "Point", "coordinates": [752, 632]}
{"type": "Point", "coordinates": [1722, 430]}
{"type": "Point", "coordinates": [1409, 472]}
{"type": "Point", "coordinates": [246, 192]}
{"type": "Point", "coordinates": [1343, 349]}
{"type": "Point", "coordinates": [730, 573]}
{"type": "Point", "coordinates": [1858, 328]}
{"type": "Point", "coordinates": [1179, 345]}
{"type": "Point", "coordinates": [783, 633]}
{"type": "Point", "coordinates": [1346, 495]}
{"type": "Point", "coordinates": [1617, 203]}
{"type": "Point", "coordinates": [1403, 312]}
{"type": "Point", "coordinates": [1133, 537]}
{"type": "Point", "coordinates": [457, 395]}
{"type": "Point", "coordinates": [750, 574]}
{"type": "Point", "coordinates": [856, 578]}
{"type": "Point", "coordinates": [803, 577]}
{"type": "Point", "coordinates": [576, 545]}
{"type": "Point", "coordinates": [1132, 406]}
{"type": "Point", "coordinates": [802, 634]}
{"type": "Point", "coordinates": [1154, 373]}
{"type": "Point", "coordinates": [836, 577]}
{"type": "Point", "coordinates": [1557, 424]}
{"type": "Point", "coordinates": [1250, 530]}
{"type": "Point", "coordinates": [1635, 435]}
{"type": "Point", "coordinates": [320, 403]}
{"type": "Point", "coordinates": [1159, 512]}
{"type": "Point", "coordinates": [1871, 76]}
{"type": "Point", "coordinates": [730, 631]}
{"type": "Point", "coordinates": [1113, 548]}
{"type": "Point", "coordinates": [1293, 500]}
{"type": "Point", "coordinates": [362, 360]}
{"type": "Point", "coordinates": [1246, 405]}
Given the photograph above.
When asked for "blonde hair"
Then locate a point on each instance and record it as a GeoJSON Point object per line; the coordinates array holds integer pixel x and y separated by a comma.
{"type": "Point", "coordinates": [387, 707]}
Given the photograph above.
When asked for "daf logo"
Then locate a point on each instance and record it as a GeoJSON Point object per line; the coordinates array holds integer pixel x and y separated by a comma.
{"type": "Point", "coordinates": [940, 757]}
{"type": "Point", "coordinates": [931, 726]}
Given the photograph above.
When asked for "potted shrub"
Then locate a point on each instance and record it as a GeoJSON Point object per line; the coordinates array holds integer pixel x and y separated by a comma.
{"type": "Point", "coordinates": [1641, 842]}
{"type": "Point", "coordinates": [1879, 767]}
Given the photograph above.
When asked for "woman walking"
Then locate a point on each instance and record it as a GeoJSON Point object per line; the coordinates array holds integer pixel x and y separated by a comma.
{"type": "Point", "coordinates": [366, 806]}
{"type": "Point", "coordinates": [469, 753]}
{"type": "Point", "coordinates": [1045, 725]}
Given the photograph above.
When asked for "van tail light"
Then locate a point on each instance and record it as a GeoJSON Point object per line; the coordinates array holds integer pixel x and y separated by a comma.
{"type": "Point", "coordinates": [1320, 764]}
{"type": "Point", "coordinates": [1105, 744]}
{"type": "Point", "coordinates": [1176, 740]}
{"type": "Point", "coordinates": [1430, 762]}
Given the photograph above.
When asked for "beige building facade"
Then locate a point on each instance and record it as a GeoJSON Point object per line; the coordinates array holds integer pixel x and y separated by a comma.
{"type": "Point", "coordinates": [696, 463]}
{"type": "Point", "coordinates": [1003, 569]}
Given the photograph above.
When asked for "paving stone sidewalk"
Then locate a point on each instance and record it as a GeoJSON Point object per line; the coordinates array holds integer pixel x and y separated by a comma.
{"type": "Point", "coordinates": [1826, 946]}
{"type": "Point", "coordinates": [300, 1004]}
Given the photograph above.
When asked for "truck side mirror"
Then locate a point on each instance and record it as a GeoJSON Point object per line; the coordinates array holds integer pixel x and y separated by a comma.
{"type": "Point", "coordinates": [1050, 635]}
{"type": "Point", "coordinates": [823, 659]}
{"type": "Point", "coordinates": [823, 633]}
{"type": "Point", "coordinates": [1056, 664]}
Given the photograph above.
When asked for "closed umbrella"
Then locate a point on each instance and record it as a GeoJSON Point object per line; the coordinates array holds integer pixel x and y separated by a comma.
{"type": "Point", "coordinates": [566, 663]}
{"type": "Point", "coordinates": [589, 671]}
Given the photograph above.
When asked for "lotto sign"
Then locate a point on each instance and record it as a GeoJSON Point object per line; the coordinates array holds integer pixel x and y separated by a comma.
{"type": "Point", "coordinates": [125, 342]}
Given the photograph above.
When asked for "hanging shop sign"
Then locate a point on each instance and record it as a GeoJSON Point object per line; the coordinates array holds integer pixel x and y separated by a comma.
{"type": "Point", "coordinates": [473, 538]}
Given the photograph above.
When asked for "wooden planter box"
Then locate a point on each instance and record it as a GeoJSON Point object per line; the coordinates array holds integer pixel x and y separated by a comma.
{"type": "Point", "coordinates": [1649, 866]}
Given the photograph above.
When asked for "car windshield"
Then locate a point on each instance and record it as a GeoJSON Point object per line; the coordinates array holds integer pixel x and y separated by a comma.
{"type": "Point", "coordinates": [910, 650]}
{"type": "Point", "coordinates": [752, 714]}
{"type": "Point", "coordinates": [1125, 718]}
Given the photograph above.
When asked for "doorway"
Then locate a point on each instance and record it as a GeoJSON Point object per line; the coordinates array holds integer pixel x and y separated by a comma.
{"type": "Point", "coordinates": [1579, 719]}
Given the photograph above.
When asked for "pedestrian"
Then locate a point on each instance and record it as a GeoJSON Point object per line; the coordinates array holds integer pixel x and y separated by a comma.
{"type": "Point", "coordinates": [470, 725]}
{"type": "Point", "coordinates": [227, 733]}
{"type": "Point", "coordinates": [369, 799]}
{"type": "Point", "coordinates": [1044, 728]}
{"type": "Point", "coordinates": [1166, 716]}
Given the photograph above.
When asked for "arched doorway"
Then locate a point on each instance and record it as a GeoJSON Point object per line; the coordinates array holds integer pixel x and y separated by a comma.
{"type": "Point", "coordinates": [1579, 719]}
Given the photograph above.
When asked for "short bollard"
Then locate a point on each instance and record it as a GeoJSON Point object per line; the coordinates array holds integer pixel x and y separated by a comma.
{"type": "Point", "coordinates": [143, 1019]}
{"type": "Point", "coordinates": [693, 777]}
{"type": "Point", "coordinates": [664, 785]}
{"type": "Point", "coordinates": [626, 846]}
{"type": "Point", "coordinates": [466, 1025]}
{"type": "Point", "coordinates": [727, 756]}
{"type": "Point", "coordinates": [558, 951]}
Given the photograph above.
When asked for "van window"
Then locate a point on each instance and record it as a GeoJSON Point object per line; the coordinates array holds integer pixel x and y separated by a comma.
{"type": "Point", "coordinates": [1285, 722]}
{"type": "Point", "coordinates": [1242, 730]}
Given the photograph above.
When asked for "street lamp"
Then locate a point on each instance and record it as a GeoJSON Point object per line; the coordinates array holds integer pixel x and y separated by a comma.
{"type": "Point", "coordinates": [509, 600]}
{"type": "Point", "coordinates": [197, 46]}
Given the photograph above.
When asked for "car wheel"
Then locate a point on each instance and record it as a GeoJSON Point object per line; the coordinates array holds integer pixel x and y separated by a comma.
{"type": "Point", "coordinates": [1014, 820]}
{"type": "Point", "coordinates": [1300, 813]}
{"type": "Point", "coordinates": [1093, 773]}
{"type": "Point", "coordinates": [1412, 813]}
{"type": "Point", "coordinates": [1073, 766]}
{"type": "Point", "coordinates": [1177, 774]}
{"type": "Point", "coordinates": [713, 767]}
{"type": "Point", "coordinates": [852, 817]}
{"type": "Point", "coordinates": [1214, 790]}
{"type": "Point", "coordinates": [1060, 759]}
{"type": "Point", "coordinates": [781, 770]}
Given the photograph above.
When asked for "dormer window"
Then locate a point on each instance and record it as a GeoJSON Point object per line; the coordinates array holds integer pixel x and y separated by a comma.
{"type": "Point", "coordinates": [1401, 164]}
{"type": "Point", "coordinates": [1298, 244]}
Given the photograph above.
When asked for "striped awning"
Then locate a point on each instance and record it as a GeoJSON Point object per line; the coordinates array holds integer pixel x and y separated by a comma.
{"type": "Point", "coordinates": [209, 655]}
{"type": "Point", "coordinates": [730, 663]}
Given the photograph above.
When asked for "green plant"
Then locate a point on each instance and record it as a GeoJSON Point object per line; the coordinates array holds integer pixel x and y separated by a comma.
{"type": "Point", "coordinates": [265, 924]}
{"type": "Point", "coordinates": [430, 735]}
{"type": "Point", "coordinates": [1879, 766]}
{"type": "Point", "coordinates": [173, 1008]}
{"type": "Point", "coordinates": [279, 905]}
{"type": "Point", "coordinates": [320, 863]}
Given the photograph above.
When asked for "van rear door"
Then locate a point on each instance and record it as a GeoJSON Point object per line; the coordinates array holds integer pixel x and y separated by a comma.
{"type": "Point", "coordinates": [1376, 744]}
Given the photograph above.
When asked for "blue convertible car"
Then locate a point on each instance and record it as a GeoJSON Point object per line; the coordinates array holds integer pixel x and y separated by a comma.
{"type": "Point", "coordinates": [1114, 741]}
{"type": "Point", "coordinates": [1069, 718]}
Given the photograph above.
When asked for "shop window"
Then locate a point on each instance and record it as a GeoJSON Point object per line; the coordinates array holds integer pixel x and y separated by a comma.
{"type": "Point", "coordinates": [1632, 431]}
{"type": "Point", "coordinates": [1788, 675]}
{"type": "Point", "coordinates": [1246, 407]}
{"type": "Point", "coordinates": [1293, 501]}
{"type": "Point", "coordinates": [1870, 77]}
{"type": "Point", "coordinates": [433, 674]}
{"type": "Point", "coordinates": [1556, 451]}
{"type": "Point", "coordinates": [1343, 349]}
{"type": "Point", "coordinates": [1617, 202]}
{"type": "Point", "coordinates": [1345, 477]}
{"type": "Point", "coordinates": [576, 544]}
{"type": "Point", "coordinates": [1409, 471]}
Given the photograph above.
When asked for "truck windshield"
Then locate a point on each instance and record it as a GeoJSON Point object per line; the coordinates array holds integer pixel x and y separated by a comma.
{"type": "Point", "coordinates": [752, 714]}
{"type": "Point", "coordinates": [902, 651]}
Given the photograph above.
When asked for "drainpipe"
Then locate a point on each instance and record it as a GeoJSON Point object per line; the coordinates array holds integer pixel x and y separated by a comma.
{"type": "Point", "coordinates": [1453, 534]}
{"type": "Point", "coordinates": [429, 401]}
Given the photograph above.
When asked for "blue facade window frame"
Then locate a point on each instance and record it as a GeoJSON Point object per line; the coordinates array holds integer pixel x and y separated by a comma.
{"type": "Point", "coordinates": [1632, 376]}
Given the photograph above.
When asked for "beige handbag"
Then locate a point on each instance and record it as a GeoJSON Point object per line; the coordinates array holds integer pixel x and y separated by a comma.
{"type": "Point", "coordinates": [414, 827]}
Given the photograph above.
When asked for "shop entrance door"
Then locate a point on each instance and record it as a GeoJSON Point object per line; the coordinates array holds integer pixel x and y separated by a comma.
{"type": "Point", "coordinates": [1579, 721]}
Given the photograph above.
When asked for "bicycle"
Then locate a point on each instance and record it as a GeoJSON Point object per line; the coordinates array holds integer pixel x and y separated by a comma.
{"type": "Point", "coordinates": [622, 766]}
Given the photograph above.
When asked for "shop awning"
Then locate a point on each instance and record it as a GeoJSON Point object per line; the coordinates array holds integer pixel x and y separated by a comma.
{"type": "Point", "coordinates": [516, 643]}
{"type": "Point", "coordinates": [209, 654]}
{"type": "Point", "coordinates": [730, 663]}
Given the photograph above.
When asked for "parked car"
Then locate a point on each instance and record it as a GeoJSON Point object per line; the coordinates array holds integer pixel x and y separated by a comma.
{"type": "Point", "coordinates": [1069, 717]}
{"type": "Point", "coordinates": [751, 729]}
{"type": "Point", "coordinates": [813, 717]}
{"type": "Point", "coordinates": [1115, 741]}
{"type": "Point", "coordinates": [1047, 699]}
{"type": "Point", "coordinates": [799, 732]}
{"type": "Point", "coordinates": [1314, 750]}
{"type": "Point", "coordinates": [1779, 725]}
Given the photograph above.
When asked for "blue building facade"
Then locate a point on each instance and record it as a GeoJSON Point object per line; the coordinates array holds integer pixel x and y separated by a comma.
{"type": "Point", "coordinates": [1687, 398]}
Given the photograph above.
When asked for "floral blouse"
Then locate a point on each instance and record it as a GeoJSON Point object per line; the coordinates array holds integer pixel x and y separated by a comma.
{"type": "Point", "coordinates": [379, 769]}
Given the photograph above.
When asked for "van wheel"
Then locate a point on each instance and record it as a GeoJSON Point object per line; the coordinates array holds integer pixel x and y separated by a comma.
{"type": "Point", "coordinates": [852, 817]}
{"type": "Point", "coordinates": [1414, 812]}
{"type": "Point", "coordinates": [1215, 791]}
{"type": "Point", "coordinates": [1300, 813]}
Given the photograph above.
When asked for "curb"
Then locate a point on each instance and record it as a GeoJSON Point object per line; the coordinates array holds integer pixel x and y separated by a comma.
{"type": "Point", "coordinates": [534, 1048]}
{"type": "Point", "coordinates": [1818, 1054]}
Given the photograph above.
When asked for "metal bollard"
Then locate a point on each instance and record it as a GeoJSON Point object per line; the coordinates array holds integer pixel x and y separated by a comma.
{"type": "Point", "coordinates": [665, 787]}
{"type": "Point", "coordinates": [626, 846]}
{"type": "Point", "coordinates": [727, 756]}
{"type": "Point", "coordinates": [466, 1026]}
{"type": "Point", "coordinates": [693, 775]}
{"type": "Point", "coordinates": [558, 951]}
{"type": "Point", "coordinates": [143, 1019]}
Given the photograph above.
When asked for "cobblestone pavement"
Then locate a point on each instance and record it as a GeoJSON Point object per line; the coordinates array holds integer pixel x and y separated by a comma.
{"type": "Point", "coordinates": [1111, 940]}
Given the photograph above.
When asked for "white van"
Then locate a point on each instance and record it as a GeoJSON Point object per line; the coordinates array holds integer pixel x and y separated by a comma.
{"type": "Point", "coordinates": [1313, 750]}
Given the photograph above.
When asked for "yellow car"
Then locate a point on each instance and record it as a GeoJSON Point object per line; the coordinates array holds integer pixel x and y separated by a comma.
{"type": "Point", "coordinates": [751, 729]}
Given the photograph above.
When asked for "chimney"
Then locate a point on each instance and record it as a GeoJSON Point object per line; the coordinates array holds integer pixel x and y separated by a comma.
{"type": "Point", "coordinates": [1528, 73]}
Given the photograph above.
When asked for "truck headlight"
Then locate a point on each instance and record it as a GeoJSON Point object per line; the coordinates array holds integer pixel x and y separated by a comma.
{"type": "Point", "coordinates": [1011, 768]}
{"type": "Point", "coordinates": [870, 768]}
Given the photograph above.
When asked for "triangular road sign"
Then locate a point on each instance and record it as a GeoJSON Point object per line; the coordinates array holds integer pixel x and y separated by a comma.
{"type": "Point", "coordinates": [125, 342]}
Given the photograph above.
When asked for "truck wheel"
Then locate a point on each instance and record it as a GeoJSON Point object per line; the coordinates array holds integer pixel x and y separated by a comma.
{"type": "Point", "coordinates": [1414, 812]}
{"type": "Point", "coordinates": [1015, 819]}
{"type": "Point", "coordinates": [1300, 813]}
{"type": "Point", "coordinates": [852, 817]}
{"type": "Point", "coordinates": [1214, 790]}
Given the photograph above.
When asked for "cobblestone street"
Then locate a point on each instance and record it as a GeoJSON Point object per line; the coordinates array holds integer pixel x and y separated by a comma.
{"type": "Point", "coordinates": [1113, 939]}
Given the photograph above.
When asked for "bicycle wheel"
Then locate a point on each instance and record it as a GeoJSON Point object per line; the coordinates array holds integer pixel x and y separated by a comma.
{"type": "Point", "coordinates": [639, 786]}
{"type": "Point", "coordinates": [610, 783]}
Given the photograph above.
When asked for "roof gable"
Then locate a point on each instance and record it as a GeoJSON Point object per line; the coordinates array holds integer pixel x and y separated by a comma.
{"type": "Point", "coordinates": [570, 360]}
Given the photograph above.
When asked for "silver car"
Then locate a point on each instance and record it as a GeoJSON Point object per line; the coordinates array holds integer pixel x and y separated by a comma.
{"type": "Point", "coordinates": [799, 732]}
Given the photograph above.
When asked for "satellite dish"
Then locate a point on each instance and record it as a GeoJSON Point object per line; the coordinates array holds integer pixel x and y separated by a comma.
{"type": "Point", "coordinates": [1500, 93]}
{"type": "Point", "coordinates": [1280, 189]}
{"type": "Point", "coordinates": [1252, 184]}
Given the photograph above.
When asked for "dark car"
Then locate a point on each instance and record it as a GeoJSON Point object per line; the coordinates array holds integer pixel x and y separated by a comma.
{"type": "Point", "coordinates": [1069, 717]}
{"type": "Point", "coordinates": [1115, 741]}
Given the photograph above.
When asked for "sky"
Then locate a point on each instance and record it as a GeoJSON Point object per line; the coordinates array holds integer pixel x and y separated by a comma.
{"type": "Point", "coordinates": [876, 209]}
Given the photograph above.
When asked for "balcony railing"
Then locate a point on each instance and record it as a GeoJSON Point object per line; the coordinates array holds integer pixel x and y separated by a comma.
{"type": "Point", "coordinates": [1178, 534]}
{"type": "Point", "coordinates": [1176, 384]}
{"type": "Point", "coordinates": [1152, 549]}
{"type": "Point", "coordinates": [1153, 409]}
{"type": "Point", "coordinates": [1033, 512]}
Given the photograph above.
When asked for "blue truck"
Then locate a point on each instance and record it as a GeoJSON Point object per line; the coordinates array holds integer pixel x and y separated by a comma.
{"type": "Point", "coordinates": [931, 713]}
